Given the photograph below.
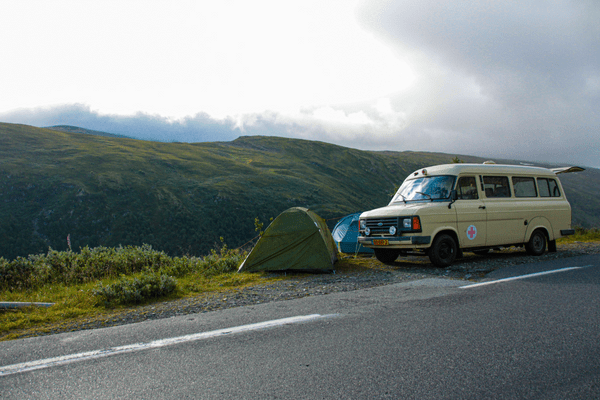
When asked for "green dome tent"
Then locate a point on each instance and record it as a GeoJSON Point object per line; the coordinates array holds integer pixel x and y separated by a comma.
{"type": "Point", "coordinates": [298, 239]}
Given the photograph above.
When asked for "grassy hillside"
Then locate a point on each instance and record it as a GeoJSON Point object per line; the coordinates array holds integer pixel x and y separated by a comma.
{"type": "Point", "coordinates": [76, 129]}
{"type": "Point", "coordinates": [181, 198]}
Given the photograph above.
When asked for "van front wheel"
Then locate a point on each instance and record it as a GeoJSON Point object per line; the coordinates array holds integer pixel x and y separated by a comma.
{"type": "Point", "coordinates": [443, 251]}
{"type": "Point", "coordinates": [537, 243]}
{"type": "Point", "coordinates": [386, 256]}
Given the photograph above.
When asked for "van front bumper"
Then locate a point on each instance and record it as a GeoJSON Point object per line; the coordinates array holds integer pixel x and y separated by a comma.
{"type": "Point", "coordinates": [394, 240]}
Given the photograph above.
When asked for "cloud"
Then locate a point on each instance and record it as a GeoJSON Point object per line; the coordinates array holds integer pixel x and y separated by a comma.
{"type": "Point", "coordinates": [223, 58]}
{"type": "Point", "coordinates": [510, 79]}
{"type": "Point", "coordinates": [495, 78]}
{"type": "Point", "coordinates": [197, 128]}
{"type": "Point", "coordinates": [336, 125]}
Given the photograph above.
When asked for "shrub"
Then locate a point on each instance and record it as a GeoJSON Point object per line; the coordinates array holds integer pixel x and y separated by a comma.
{"type": "Point", "coordinates": [136, 290]}
{"type": "Point", "coordinates": [587, 234]}
{"type": "Point", "coordinates": [223, 261]}
{"type": "Point", "coordinates": [21, 273]}
{"type": "Point", "coordinates": [90, 265]}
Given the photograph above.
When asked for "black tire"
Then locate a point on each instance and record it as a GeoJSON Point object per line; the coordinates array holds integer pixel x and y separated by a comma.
{"type": "Point", "coordinates": [537, 243]}
{"type": "Point", "coordinates": [443, 251]}
{"type": "Point", "coordinates": [386, 256]}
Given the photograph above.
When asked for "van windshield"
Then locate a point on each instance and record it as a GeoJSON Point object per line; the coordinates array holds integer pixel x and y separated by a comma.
{"type": "Point", "coordinates": [426, 188]}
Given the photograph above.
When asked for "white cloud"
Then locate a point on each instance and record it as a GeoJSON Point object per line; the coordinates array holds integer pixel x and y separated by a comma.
{"type": "Point", "coordinates": [510, 79]}
{"type": "Point", "coordinates": [178, 58]}
{"type": "Point", "coordinates": [492, 78]}
{"type": "Point", "coordinates": [197, 128]}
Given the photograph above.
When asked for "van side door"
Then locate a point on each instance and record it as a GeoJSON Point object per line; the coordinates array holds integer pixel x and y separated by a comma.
{"type": "Point", "coordinates": [471, 213]}
{"type": "Point", "coordinates": [506, 215]}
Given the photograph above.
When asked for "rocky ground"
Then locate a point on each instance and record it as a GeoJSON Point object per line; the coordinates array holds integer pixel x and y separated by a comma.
{"type": "Point", "coordinates": [361, 273]}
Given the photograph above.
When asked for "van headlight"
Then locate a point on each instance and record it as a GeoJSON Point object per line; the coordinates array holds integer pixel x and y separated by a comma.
{"type": "Point", "coordinates": [392, 230]}
{"type": "Point", "coordinates": [411, 224]}
{"type": "Point", "coordinates": [367, 231]}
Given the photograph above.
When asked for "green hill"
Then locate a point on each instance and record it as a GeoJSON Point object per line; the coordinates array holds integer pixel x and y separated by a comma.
{"type": "Point", "coordinates": [181, 198]}
{"type": "Point", "coordinates": [76, 129]}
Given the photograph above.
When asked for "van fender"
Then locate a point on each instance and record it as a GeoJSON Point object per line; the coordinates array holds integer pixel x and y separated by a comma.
{"type": "Point", "coordinates": [448, 229]}
{"type": "Point", "coordinates": [539, 223]}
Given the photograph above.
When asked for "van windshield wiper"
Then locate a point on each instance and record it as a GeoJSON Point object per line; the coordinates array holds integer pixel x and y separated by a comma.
{"type": "Point", "coordinates": [425, 194]}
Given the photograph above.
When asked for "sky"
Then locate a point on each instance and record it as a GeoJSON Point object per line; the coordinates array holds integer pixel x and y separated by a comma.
{"type": "Point", "coordinates": [496, 79]}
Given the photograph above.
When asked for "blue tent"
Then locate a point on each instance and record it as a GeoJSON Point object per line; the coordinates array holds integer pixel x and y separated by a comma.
{"type": "Point", "coordinates": [345, 235]}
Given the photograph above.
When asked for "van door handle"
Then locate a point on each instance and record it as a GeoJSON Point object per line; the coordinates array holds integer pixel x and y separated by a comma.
{"type": "Point", "coordinates": [482, 207]}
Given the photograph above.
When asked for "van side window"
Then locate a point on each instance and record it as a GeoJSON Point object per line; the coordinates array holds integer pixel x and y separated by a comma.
{"type": "Point", "coordinates": [496, 186]}
{"type": "Point", "coordinates": [524, 187]}
{"type": "Point", "coordinates": [467, 188]}
{"type": "Point", "coordinates": [548, 187]}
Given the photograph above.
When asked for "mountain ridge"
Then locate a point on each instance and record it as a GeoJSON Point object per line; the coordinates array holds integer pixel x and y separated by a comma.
{"type": "Point", "coordinates": [183, 197]}
{"type": "Point", "coordinates": [76, 129]}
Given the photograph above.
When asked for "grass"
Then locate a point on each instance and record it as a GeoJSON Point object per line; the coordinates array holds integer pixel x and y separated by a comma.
{"type": "Point", "coordinates": [78, 283]}
{"type": "Point", "coordinates": [582, 235]}
{"type": "Point", "coordinates": [77, 303]}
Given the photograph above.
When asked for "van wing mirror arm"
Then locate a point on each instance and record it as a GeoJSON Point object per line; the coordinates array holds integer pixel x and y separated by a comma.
{"type": "Point", "coordinates": [453, 198]}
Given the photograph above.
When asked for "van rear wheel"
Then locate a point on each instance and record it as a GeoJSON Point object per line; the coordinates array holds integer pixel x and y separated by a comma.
{"type": "Point", "coordinates": [443, 251]}
{"type": "Point", "coordinates": [386, 256]}
{"type": "Point", "coordinates": [537, 243]}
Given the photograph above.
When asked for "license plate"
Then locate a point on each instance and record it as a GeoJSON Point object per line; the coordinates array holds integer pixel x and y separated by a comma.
{"type": "Point", "coordinates": [380, 242]}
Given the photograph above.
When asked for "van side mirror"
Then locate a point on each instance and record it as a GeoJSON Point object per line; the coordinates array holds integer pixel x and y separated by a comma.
{"type": "Point", "coordinates": [453, 198]}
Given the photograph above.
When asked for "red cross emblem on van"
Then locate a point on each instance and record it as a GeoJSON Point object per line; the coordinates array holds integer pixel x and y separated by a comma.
{"type": "Point", "coordinates": [471, 232]}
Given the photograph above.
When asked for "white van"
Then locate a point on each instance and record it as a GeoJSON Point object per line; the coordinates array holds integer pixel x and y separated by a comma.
{"type": "Point", "coordinates": [442, 210]}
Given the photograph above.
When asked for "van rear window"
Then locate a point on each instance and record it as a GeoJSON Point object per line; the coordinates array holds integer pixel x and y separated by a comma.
{"type": "Point", "coordinates": [496, 186]}
{"type": "Point", "coordinates": [524, 187]}
{"type": "Point", "coordinates": [548, 187]}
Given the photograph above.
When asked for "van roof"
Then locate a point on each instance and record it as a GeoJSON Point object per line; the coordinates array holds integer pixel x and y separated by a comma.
{"type": "Point", "coordinates": [459, 168]}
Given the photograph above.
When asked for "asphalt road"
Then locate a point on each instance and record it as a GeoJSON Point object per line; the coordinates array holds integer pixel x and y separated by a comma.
{"type": "Point", "coordinates": [536, 337]}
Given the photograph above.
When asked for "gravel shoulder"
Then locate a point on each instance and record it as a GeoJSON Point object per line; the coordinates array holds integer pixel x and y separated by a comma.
{"type": "Point", "coordinates": [352, 273]}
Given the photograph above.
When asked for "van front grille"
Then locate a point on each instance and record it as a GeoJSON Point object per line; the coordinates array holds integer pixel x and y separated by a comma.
{"type": "Point", "coordinates": [381, 225]}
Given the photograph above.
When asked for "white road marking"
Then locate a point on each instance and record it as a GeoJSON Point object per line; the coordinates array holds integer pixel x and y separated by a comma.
{"type": "Point", "coordinates": [71, 358]}
{"type": "Point", "coordinates": [514, 278]}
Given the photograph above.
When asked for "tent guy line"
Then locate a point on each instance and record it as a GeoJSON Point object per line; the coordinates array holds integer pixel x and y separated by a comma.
{"type": "Point", "coordinates": [95, 354]}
